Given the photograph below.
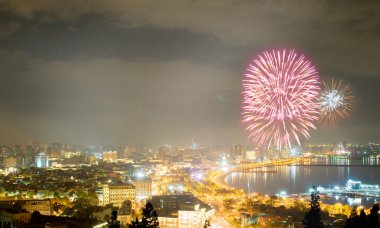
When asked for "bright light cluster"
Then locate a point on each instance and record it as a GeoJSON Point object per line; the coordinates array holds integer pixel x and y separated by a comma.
{"type": "Point", "coordinates": [336, 101]}
{"type": "Point", "coordinates": [333, 100]}
{"type": "Point", "coordinates": [280, 89]}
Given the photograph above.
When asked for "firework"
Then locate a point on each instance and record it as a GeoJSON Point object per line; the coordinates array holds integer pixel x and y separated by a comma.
{"type": "Point", "coordinates": [336, 101]}
{"type": "Point", "coordinates": [280, 89]}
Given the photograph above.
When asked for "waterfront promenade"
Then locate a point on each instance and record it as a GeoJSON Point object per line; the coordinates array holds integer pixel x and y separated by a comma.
{"type": "Point", "coordinates": [219, 176]}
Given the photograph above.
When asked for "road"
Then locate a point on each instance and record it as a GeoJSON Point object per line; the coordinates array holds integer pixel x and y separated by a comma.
{"type": "Point", "coordinates": [220, 222]}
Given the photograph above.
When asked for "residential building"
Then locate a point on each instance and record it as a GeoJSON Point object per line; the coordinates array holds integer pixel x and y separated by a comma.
{"type": "Point", "coordinates": [181, 211]}
{"type": "Point", "coordinates": [118, 193]}
{"type": "Point", "coordinates": [14, 217]}
{"type": "Point", "coordinates": [143, 189]}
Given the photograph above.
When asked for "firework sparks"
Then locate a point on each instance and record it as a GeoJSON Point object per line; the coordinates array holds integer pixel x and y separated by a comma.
{"type": "Point", "coordinates": [280, 89]}
{"type": "Point", "coordinates": [336, 101]}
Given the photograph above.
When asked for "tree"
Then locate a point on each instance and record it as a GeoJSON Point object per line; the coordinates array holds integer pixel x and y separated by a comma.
{"type": "Point", "coordinates": [113, 222]}
{"type": "Point", "coordinates": [35, 217]}
{"type": "Point", "coordinates": [373, 217]}
{"type": "Point", "coordinates": [135, 224]}
{"type": "Point", "coordinates": [312, 218]}
{"type": "Point", "coordinates": [56, 195]}
{"type": "Point", "coordinates": [80, 194]}
{"type": "Point", "coordinates": [207, 224]}
{"type": "Point", "coordinates": [362, 221]}
{"type": "Point", "coordinates": [149, 218]}
{"type": "Point", "coordinates": [353, 220]}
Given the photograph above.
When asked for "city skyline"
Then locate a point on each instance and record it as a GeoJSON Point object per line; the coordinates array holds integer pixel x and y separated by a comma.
{"type": "Point", "coordinates": [121, 72]}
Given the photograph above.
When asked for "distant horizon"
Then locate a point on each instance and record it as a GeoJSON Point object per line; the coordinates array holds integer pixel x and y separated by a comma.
{"type": "Point", "coordinates": [183, 145]}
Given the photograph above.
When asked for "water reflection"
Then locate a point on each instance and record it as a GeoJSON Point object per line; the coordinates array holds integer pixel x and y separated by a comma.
{"type": "Point", "coordinates": [297, 179]}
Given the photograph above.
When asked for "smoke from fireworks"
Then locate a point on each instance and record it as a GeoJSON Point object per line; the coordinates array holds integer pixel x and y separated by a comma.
{"type": "Point", "coordinates": [336, 101]}
{"type": "Point", "coordinates": [280, 89]}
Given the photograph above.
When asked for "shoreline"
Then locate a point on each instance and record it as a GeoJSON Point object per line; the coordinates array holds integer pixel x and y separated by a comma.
{"type": "Point", "coordinates": [326, 191]}
{"type": "Point", "coordinates": [220, 177]}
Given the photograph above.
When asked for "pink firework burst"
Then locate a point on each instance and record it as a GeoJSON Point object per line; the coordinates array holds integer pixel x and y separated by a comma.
{"type": "Point", "coordinates": [280, 89]}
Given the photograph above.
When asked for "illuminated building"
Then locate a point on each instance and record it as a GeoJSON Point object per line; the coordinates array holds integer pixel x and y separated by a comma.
{"type": "Point", "coordinates": [356, 185]}
{"type": "Point", "coordinates": [353, 185]}
{"type": "Point", "coordinates": [237, 153]}
{"type": "Point", "coordinates": [181, 211]}
{"type": "Point", "coordinates": [194, 145]}
{"type": "Point", "coordinates": [295, 151]}
{"type": "Point", "coordinates": [117, 194]}
{"type": "Point", "coordinates": [110, 156]}
{"type": "Point", "coordinates": [251, 155]}
{"type": "Point", "coordinates": [26, 160]}
{"type": "Point", "coordinates": [45, 207]}
{"type": "Point", "coordinates": [340, 149]}
{"type": "Point", "coordinates": [143, 189]}
{"type": "Point", "coordinates": [10, 162]}
{"type": "Point", "coordinates": [14, 218]}
{"type": "Point", "coordinates": [41, 160]}
{"type": "Point", "coordinates": [70, 154]}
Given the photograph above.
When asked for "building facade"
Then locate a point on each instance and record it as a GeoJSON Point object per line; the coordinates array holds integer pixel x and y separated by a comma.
{"type": "Point", "coordinates": [110, 156]}
{"type": "Point", "coordinates": [117, 194]}
{"type": "Point", "coordinates": [182, 211]}
{"type": "Point", "coordinates": [41, 160]}
{"type": "Point", "coordinates": [143, 189]}
{"type": "Point", "coordinates": [45, 207]}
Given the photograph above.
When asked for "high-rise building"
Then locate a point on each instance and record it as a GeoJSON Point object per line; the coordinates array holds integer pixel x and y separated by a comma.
{"type": "Point", "coordinates": [237, 153]}
{"type": "Point", "coordinates": [118, 193]}
{"type": "Point", "coordinates": [194, 145]}
{"type": "Point", "coordinates": [54, 150]}
{"type": "Point", "coordinates": [41, 160]}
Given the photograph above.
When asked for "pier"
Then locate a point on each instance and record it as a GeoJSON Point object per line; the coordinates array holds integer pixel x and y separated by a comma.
{"type": "Point", "coordinates": [353, 189]}
{"type": "Point", "coordinates": [340, 165]}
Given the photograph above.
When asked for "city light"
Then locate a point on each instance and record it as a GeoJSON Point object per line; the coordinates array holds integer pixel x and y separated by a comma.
{"type": "Point", "coordinates": [140, 174]}
{"type": "Point", "coordinates": [282, 194]}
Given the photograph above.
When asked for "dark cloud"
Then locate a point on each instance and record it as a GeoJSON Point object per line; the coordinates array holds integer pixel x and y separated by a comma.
{"type": "Point", "coordinates": [167, 72]}
{"type": "Point", "coordinates": [94, 37]}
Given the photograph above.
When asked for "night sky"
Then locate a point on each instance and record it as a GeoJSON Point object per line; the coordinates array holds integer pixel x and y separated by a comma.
{"type": "Point", "coordinates": [155, 72]}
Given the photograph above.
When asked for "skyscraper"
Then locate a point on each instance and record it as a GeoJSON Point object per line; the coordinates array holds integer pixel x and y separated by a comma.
{"type": "Point", "coordinates": [41, 160]}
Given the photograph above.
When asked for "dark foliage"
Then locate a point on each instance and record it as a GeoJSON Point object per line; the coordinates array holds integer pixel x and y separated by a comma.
{"type": "Point", "coordinates": [149, 218]}
{"type": "Point", "coordinates": [373, 217]}
{"type": "Point", "coordinates": [362, 220]}
{"type": "Point", "coordinates": [312, 218]}
{"type": "Point", "coordinates": [113, 222]}
{"type": "Point", "coordinates": [353, 220]}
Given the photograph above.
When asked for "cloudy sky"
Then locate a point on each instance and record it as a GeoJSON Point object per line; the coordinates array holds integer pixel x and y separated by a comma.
{"type": "Point", "coordinates": [154, 72]}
